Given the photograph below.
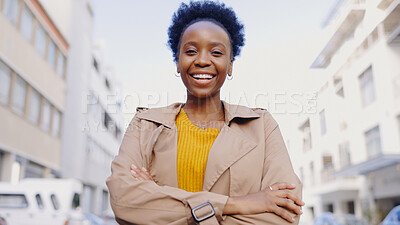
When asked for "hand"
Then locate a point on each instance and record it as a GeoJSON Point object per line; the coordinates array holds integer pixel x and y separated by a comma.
{"type": "Point", "coordinates": [278, 199]}
{"type": "Point", "coordinates": [140, 174]}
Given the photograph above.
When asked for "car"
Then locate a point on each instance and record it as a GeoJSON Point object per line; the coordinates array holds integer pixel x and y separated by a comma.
{"type": "Point", "coordinates": [37, 201]}
{"type": "Point", "coordinates": [393, 218]}
{"type": "Point", "coordinates": [337, 219]}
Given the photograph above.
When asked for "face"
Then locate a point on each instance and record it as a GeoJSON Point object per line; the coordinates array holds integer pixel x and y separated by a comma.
{"type": "Point", "coordinates": [204, 59]}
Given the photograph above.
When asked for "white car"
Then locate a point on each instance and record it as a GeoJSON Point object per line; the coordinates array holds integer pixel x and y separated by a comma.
{"type": "Point", "coordinates": [42, 202]}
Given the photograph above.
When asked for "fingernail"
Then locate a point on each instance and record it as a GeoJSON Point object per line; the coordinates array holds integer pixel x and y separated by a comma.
{"type": "Point", "coordinates": [134, 166]}
{"type": "Point", "coordinates": [293, 219]}
{"type": "Point", "coordinates": [132, 171]}
{"type": "Point", "coordinates": [144, 169]}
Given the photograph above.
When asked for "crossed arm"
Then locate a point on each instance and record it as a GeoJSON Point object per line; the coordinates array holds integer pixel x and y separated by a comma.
{"type": "Point", "coordinates": [276, 199]}
{"type": "Point", "coordinates": [142, 201]}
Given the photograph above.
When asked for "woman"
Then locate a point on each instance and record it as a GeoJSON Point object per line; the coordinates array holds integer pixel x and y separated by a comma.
{"type": "Point", "coordinates": [205, 161]}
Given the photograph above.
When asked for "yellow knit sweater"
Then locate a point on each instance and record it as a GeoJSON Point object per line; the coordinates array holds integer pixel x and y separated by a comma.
{"type": "Point", "coordinates": [194, 144]}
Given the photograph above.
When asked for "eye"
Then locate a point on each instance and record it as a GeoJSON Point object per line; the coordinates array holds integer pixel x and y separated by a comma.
{"type": "Point", "coordinates": [217, 52]}
{"type": "Point", "coordinates": [190, 52]}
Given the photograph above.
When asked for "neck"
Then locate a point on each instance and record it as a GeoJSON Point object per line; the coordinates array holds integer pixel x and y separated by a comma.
{"type": "Point", "coordinates": [204, 109]}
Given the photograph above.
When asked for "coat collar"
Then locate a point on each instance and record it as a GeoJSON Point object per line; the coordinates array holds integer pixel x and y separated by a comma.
{"type": "Point", "coordinates": [167, 115]}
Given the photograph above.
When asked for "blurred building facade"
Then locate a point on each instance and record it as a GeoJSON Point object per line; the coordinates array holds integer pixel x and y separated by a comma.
{"type": "Point", "coordinates": [60, 111]}
{"type": "Point", "coordinates": [94, 130]}
{"type": "Point", "coordinates": [33, 54]}
{"type": "Point", "coordinates": [350, 149]}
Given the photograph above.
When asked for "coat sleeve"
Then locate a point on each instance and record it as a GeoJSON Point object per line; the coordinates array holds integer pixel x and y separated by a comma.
{"type": "Point", "coordinates": [277, 168]}
{"type": "Point", "coordinates": [145, 202]}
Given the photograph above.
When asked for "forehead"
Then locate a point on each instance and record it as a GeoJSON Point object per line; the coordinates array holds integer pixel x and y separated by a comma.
{"type": "Point", "coordinates": [205, 30]}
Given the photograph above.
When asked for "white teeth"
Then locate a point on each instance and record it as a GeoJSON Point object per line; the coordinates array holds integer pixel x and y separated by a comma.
{"type": "Point", "coordinates": [202, 76]}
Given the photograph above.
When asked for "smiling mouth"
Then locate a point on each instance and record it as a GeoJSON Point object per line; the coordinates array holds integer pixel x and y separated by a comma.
{"type": "Point", "coordinates": [202, 76]}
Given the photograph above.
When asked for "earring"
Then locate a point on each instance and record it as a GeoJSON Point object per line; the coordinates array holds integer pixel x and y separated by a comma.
{"type": "Point", "coordinates": [177, 74]}
{"type": "Point", "coordinates": [229, 77]}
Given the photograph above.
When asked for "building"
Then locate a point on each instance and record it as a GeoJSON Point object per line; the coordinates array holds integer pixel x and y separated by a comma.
{"type": "Point", "coordinates": [33, 54]}
{"type": "Point", "coordinates": [350, 149]}
{"type": "Point", "coordinates": [93, 128]}
{"type": "Point", "coordinates": [60, 106]}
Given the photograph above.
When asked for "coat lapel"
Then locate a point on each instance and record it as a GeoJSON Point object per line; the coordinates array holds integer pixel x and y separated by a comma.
{"type": "Point", "coordinates": [229, 147]}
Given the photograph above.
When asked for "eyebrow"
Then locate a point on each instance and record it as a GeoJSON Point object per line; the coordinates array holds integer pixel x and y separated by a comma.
{"type": "Point", "coordinates": [213, 43]}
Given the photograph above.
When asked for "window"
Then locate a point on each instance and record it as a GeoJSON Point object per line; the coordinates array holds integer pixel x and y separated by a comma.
{"type": "Point", "coordinates": [305, 128]}
{"type": "Point", "coordinates": [312, 175]}
{"type": "Point", "coordinates": [51, 54]}
{"type": "Point", "coordinates": [39, 201]}
{"type": "Point", "coordinates": [54, 201]}
{"type": "Point", "coordinates": [367, 88]}
{"type": "Point", "coordinates": [60, 64]}
{"type": "Point", "coordinates": [107, 121]}
{"type": "Point", "coordinates": [55, 131]}
{"type": "Point", "coordinates": [350, 207]}
{"type": "Point", "coordinates": [95, 64]}
{"type": "Point", "coordinates": [27, 24]}
{"type": "Point", "coordinates": [5, 81]}
{"type": "Point", "coordinates": [76, 201]}
{"type": "Point", "coordinates": [46, 113]}
{"type": "Point", "coordinates": [327, 161]}
{"type": "Point", "coordinates": [338, 83]}
{"type": "Point", "coordinates": [322, 120]}
{"type": "Point", "coordinates": [13, 201]}
{"type": "Point", "coordinates": [328, 207]}
{"type": "Point", "coordinates": [373, 142]}
{"type": "Point", "coordinates": [344, 154]}
{"type": "Point", "coordinates": [34, 107]}
{"type": "Point", "coordinates": [19, 95]}
{"type": "Point", "coordinates": [107, 83]}
{"type": "Point", "coordinates": [117, 132]}
{"type": "Point", "coordinates": [11, 10]}
{"type": "Point", "coordinates": [40, 40]}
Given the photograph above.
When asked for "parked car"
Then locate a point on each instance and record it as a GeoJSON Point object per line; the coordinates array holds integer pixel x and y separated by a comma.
{"type": "Point", "coordinates": [393, 218]}
{"type": "Point", "coordinates": [42, 202]}
{"type": "Point", "coordinates": [337, 219]}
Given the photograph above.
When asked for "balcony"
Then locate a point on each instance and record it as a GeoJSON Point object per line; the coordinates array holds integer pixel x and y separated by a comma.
{"type": "Point", "coordinates": [342, 25]}
{"type": "Point", "coordinates": [384, 4]}
{"type": "Point", "coordinates": [392, 22]}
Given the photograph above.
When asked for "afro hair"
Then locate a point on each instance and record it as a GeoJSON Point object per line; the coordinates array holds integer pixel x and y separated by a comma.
{"type": "Point", "coordinates": [205, 10]}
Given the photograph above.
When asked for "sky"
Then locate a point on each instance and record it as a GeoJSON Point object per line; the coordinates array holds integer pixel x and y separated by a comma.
{"type": "Point", "coordinates": [282, 40]}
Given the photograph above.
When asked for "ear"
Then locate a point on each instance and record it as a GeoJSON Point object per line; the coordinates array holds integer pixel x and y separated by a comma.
{"type": "Point", "coordinates": [230, 67]}
{"type": "Point", "coordinates": [178, 67]}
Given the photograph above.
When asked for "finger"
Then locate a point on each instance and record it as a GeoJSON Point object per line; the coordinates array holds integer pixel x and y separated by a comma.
{"type": "Point", "coordinates": [134, 175]}
{"type": "Point", "coordinates": [141, 175]}
{"type": "Point", "coordinates": [288, 205]}
{"type": "Point", "coordinates": [147, 174]}
{"type": "Point", "coordinates": [282, 185]}
{"type": "Point", "coordinates": [283, 213]}
{"type": "Point", "coordinates": [133, 167]}
{"type": "Point", "coordinates": [288, 194]}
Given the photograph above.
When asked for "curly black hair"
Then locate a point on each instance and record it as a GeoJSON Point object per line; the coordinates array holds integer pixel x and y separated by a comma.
{"type": "Point", "coordinates": [216, 12]}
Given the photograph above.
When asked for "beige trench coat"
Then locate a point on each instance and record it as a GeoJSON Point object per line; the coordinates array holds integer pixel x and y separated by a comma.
{"type": "Point", "coordinates": [248, 155]}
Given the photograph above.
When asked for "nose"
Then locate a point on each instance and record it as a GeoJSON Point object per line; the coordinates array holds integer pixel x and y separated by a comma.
{"type": "Point", "coordinates": [202, 59]}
